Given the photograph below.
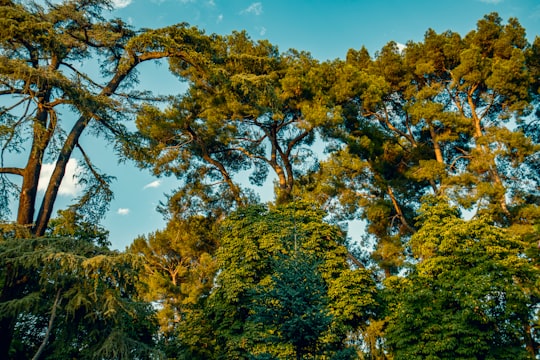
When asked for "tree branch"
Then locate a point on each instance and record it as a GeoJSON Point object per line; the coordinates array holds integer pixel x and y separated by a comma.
{"type": "Point", "coordinates": [91, 167]}
{"type": "Point", "coordinates": [12, 170]}
{"type": "Point", "coordinates": [49, 327]}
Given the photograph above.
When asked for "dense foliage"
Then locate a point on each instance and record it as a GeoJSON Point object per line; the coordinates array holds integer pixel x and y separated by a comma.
{"type": "Point", "coordinates": [435, 146]}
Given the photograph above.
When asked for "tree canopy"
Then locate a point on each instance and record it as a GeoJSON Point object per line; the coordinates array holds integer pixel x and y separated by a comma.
{"type": "Point", "coordinates": [434, 147]}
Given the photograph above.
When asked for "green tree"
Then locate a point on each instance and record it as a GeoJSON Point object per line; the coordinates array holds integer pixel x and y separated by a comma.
{"type": "Point", "coordinates": [257, 246]}
{"type": "Point", "coordinates": [448, 115]}
{"type": "Point", "coordinates": [471, 294]}
{"type": "Point", "coordinates": [50, 96]}
{"type": "Point", "coordinates": [249, 109]}
{"type": "Point", "coordinates": [293, 308]}
{"type": "Point", "coordinates": [179, 269]}
{"type": "Point", "coordinates": [72, 299]}
{"type": "Point", "coordinates": [47, 53]}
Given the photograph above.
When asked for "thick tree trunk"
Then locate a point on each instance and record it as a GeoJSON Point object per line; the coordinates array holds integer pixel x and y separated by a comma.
{"type": "Point", "coordinates": [51, 193]}
{"type": "Point", "coordinates": [32, 170]}
{"type": "Point", "coordinates": [27, 199]}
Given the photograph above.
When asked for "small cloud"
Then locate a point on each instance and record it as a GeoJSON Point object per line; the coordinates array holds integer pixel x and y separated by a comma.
{"type": "Point", "coordinates": [492, 1]}
{"type": "Point", "coordinates": [122, 211]}
{"type": "Point", "coordinates": [219, 18]}
{"type": "Point", "coordinates": [211, 3]}
{"type": "Point", "coordinates": [255, 8]}
{"type": "Point", "coordinates": [119, 4]}
{"type": "Point", "coordinates": [401, 47]}
{"type": "Point", "coordinates": [262, 31]}
{"type": "Point", "coordinates": [187, 1]}
{"type": "Point", "coordinates": [69, 185]}
{"type": "Point", "coordinates": [153, 184]}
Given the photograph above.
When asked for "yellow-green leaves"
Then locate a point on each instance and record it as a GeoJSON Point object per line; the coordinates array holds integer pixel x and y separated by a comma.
{"type": "Point", "coordinates": [467, 295]}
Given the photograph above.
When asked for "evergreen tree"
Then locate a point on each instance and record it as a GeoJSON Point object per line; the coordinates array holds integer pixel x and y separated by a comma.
{"type": "Point", "coordinates": [72, 299]}
{"type": "Point", "coordinates": [46, 49]}
{"type": "Point", "coordinates": [257, 251]}
{"type": "Point", "coordinates": [446, 116]}
{"type": "Point", "coordinates": [292, 310]}
{"type": "Point", "coordinates": [249, 108]}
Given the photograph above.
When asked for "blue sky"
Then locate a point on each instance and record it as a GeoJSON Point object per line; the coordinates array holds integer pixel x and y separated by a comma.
{"type": "Point", "coordinates": [327, 29]}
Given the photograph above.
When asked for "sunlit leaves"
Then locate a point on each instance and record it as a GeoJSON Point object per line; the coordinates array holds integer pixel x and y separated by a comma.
{"type": "Point", "coordinates": [178, 267]}
{"type": "Point", "coordinates": [467, 295]}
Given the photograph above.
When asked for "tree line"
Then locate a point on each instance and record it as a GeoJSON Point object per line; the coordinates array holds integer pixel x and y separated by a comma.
{"type": "Point", "coordinates": [435, 147]}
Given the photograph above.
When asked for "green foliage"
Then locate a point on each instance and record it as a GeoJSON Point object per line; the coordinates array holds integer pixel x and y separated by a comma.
{"type": "Point", "coordinates": [292, 308]}
{"type": "Point", "coordinates": [471, 295]}
{"type": "Point", "coordinates": [445, 116]}
{"type": "Point", "coordinates": [451, 116]}
{"type": "Point", "coordinates": [267, 256]}
{"type": "Point", "coordinates": [249, 108]}
{"type": "Point", "coordinates": [179, 268]}
{"type": "Point", "coordinates": [47, 53]}
{"type": "Point", "coordinates": [70, 223]}
{"type": "Point", "coordinates": [83, 295]}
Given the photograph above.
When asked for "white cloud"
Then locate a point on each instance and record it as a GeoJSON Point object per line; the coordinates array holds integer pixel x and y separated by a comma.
{"type": "Point", "coordinates": [255, 8]}
{"type": "Point", "coordinates": [153, 184]}
{"type": "Point", "coordinates": [187, 1]}
{"type": "Point", "coordinates": [492, 1]}
{"type": "Point", "coordinates": [401, 47]}
{"type": "Point", "coordinates": [119, 4]}
{"type": "Point", "coordinates": [212, 3]}
{"type": "Point", "coordinates": [122, 211]}
{"type": "Point", "coordinates": [262, 31]}
{"type": "Point", "coordinates": [219, 18]}
{"type": "Point", "coordinates": [69, 185]}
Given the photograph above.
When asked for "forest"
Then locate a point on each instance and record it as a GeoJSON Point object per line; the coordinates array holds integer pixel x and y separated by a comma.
{"type": "Point", "coordinates": [434, 147]}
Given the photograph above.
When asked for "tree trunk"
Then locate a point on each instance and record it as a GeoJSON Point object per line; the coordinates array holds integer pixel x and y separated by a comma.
{"type": "Point", "coordinates": [436, 146]}
{"type": "Point", "coordinates": [32, 171]}
{"type": "Point", "coordinates": [27, 199]}
{"type": "Point", "coordinates": [51, 193]}
{"type": "Point", "coordinates": [7, 326]}
{"type": "Point", "coordinates": [530, 345]}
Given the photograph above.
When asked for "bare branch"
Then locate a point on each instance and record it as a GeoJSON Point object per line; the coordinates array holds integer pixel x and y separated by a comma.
{"type": "Point", "coordinates": [91, 167]}
{"type": "Point", "coordinates": [49, 327]}
{"type": "Point", "coordinates": [8, 109]}
{"type": "Point", "coordinates": [12, 170]}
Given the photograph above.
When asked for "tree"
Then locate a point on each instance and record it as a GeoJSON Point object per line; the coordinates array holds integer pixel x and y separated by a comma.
{"type": "Point", "coordinates": [71, 298]}
{"type": "Point", "coordinates": [293, 308]}
{"type": "Point", "coordinates": [258, 248]}
{"type": "Point", "coordinates": [47, 53]}
{"type": "Point", "coordinates": [250, 109]}
{"type": "Point", "coordinates": [471, 294]}
{"type": "Point", "coordinates": [179, 269]}
{"type": "Point", "coordinates": [448, 115]}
